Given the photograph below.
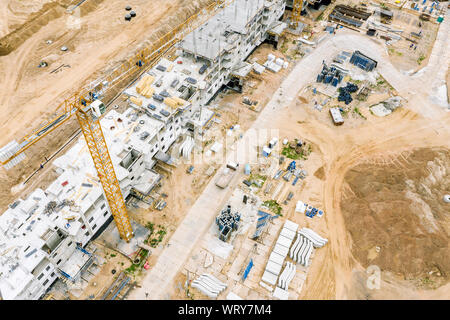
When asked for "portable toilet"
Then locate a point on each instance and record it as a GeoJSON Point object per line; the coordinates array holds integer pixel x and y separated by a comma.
{"type": "Point", "coordinates": [266, 151]}
{"type": "Point", "coordinates": [247, 169]}
{"type": "Point", "coordinates": [440, 19]}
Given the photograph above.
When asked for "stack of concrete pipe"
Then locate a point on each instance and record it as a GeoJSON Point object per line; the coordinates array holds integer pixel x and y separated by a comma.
{"type": "Point", "coordinates": [209, 285]}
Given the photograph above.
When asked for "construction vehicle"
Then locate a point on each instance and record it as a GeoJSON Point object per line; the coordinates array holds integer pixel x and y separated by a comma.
{"type": "Point", "coordinates": [88, 110]}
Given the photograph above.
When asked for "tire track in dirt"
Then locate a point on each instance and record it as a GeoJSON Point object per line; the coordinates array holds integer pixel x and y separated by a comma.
{"type": "Point", "coordinates": [402, 131]}
{"type": "Point", "coordinates": [12, 76]}
{"type": "Point", "coordinates": [340, 242]}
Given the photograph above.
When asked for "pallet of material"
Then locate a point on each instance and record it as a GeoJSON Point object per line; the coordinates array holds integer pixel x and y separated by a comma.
{"type": "Point", "coordinates": [174, 102]}
{"type": "Point", "coordinates": [144, 86]}
{"type": "Point", "coordinates": [354, 12]}
{"type": "Point", "coordinates": [136, 101]}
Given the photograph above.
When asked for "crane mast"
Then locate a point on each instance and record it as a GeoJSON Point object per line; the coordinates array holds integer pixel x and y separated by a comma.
{"type": "Point", "coordinates": [297, 6]}
{"type": "Point", "coordinates": [88, 118]}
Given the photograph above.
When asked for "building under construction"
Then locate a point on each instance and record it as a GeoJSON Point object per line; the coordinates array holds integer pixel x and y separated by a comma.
{"type": "Point", "coordinates": [45, 236]}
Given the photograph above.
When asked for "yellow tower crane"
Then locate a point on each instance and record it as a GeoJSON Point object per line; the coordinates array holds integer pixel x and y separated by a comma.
{"type": "Point", "coordinates": [89, 120]}
{"type": "Point", "coordinates": [297, 6]}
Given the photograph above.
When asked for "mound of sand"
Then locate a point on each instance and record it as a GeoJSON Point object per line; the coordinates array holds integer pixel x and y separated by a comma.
{"type": "Point", "coordinates": [397, 218]}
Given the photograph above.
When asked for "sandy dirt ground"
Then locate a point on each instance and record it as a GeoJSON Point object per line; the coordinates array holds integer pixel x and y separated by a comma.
{"type": "Point", "coordinates": [336, 276]}
{"type": "Point", "coordinates": [97, 38]}
{"type": "Point", "coordinates": [339, 155]}
{"type": "Point", "coordinates": [337, 271]}
{"type": "Point", "coordinates": [29, 95]}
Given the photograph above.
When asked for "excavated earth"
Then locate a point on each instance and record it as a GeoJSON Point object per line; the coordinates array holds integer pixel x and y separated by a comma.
{"type": "Point", "coordinates": [395, 213]}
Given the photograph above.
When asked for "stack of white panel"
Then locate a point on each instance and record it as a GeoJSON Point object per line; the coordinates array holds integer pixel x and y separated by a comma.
{"type": "Point", "coordinates": [186, 147]}
{"type": "Point", "coordinates": [317, 240]}
{"type": "Point", "coordinates": [301, 250]}
{"type": "Point", "coordinates": [287, 275]}
{"type": "Point", "coordinates": [279, 252]}
{"type": "Point", "coordinates": [281, 294]}
{"type": "Point", "coordinates": [8, 151]}
{"type": "Point", "coordinates": [209, 285]}
{"type": "Point", "coordinates": [300, 207]}
{"type": "Point", "coordinates": [233, 296]}
{"type": "Point", "coordinates": [258, 68]}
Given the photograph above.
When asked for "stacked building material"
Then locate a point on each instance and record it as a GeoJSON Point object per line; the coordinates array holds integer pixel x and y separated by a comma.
{"type": "Point", "coordinates": [227, 223]}
{"type": "Point", "coordinates": [209, 285]}
{"type": "Point", "coordinates": [287, 275]}
{"type": "Point", "coordinates": [261, 224]}
{"type": "Point", "coordinates": [317, 240]}
{"type": "Point", "coordinates": [279, 252]}
{"type": "Point", "coordinates": [362, 61]}
{"type": "Point", "coordinates": [330, 75]}
{"type": "Point", "coordinates": [136, 101]}
{"type": "Point", "coordinates": [144, 86]}
{"type": "Point", "coordinates": [301, 250]}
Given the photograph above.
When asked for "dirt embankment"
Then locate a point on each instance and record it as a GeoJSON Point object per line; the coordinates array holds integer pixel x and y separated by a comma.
{"type": "Point", "coordinates": [395, 213]}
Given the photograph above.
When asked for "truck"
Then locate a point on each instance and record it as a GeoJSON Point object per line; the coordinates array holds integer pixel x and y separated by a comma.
{"type": "Point", "coordinates": [227, 175]}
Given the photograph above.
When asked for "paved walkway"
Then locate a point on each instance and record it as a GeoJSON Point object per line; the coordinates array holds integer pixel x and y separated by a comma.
{"type": "Point", "coordinates": [159, 280]}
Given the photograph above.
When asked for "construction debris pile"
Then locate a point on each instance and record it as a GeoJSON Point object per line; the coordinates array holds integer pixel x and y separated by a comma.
{"type": "Point", "coordinates": [386, 107]}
